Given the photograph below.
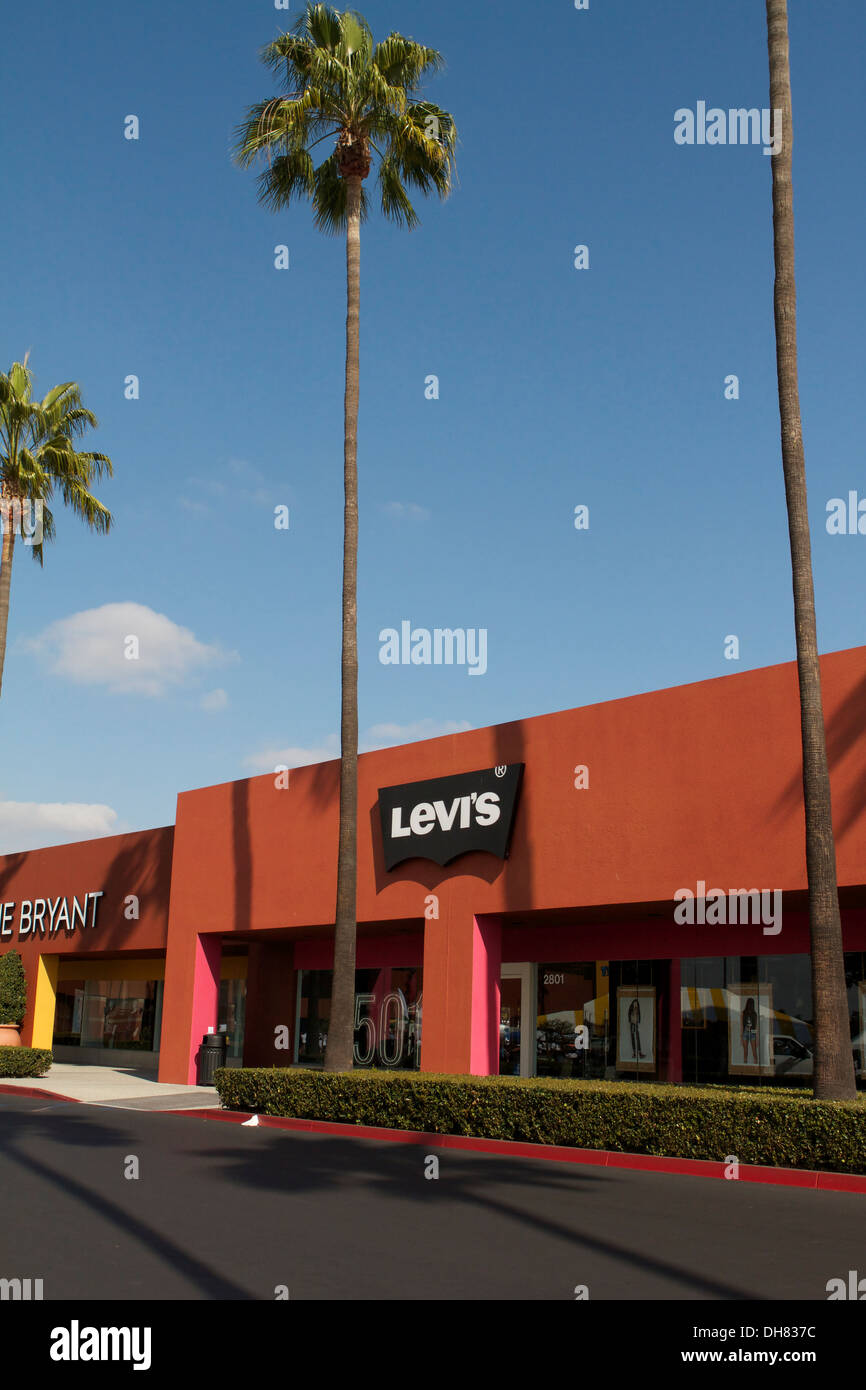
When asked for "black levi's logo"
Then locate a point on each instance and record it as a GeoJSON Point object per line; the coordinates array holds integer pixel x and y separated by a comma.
{"type": "Point", "coordinates": [447, 816]}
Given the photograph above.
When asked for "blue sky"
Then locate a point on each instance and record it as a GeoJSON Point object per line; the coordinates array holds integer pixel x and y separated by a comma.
{"type": "Point", "coordinates": [558, 387]}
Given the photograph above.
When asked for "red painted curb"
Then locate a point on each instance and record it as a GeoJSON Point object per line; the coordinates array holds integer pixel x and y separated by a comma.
{"type": "Point", "coordinates": [600, 1158]}
{"type": "Point", "coordinates": [36, 1093]}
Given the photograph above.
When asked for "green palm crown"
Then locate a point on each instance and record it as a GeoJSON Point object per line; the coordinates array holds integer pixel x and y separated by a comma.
{"type": "Point", "coordinates": [364, 96]}
{"type": "Point", "coordinates": [38, 454]}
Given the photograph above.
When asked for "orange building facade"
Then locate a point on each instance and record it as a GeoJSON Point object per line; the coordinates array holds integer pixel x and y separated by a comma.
{"type": "Point", "coordinates": [636, 909]}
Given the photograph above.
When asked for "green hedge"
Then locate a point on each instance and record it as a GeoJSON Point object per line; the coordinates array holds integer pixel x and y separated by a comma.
{"type": "Point", "coordinates": [24, 1061]}
{"type": "Point", "coordinates": [781, 1129]}
{"type": "Point", "coordinates": [13, 988]}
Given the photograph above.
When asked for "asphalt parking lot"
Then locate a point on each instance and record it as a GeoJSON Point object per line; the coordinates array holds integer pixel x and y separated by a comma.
{"type": "Point", "coordinates": [117, 1204]}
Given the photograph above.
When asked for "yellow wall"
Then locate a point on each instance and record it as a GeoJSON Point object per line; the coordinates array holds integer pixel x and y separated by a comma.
{"type": "Point", "coordinates": [233, 968]}
{"type": "Point", "coordinates": [43, 1007]}
{"type": "Point", "coordinates": [119, 968]}
{"type": "Point", "coordinates": [136, 968]}
{"type": "Point", "coordinates": [51, 969]}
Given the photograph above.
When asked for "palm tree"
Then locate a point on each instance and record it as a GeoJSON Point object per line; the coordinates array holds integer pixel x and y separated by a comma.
{"type": "Point", "coordinates": [38, 458]}
{"type": "Point", "coordinates": [362, 98]}
{"type": "Point", "coordinates": [834, 1063]}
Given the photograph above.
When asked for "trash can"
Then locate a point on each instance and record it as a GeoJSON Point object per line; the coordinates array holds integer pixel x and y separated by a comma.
{"type": "Point", "coordinates": [212, 1054]}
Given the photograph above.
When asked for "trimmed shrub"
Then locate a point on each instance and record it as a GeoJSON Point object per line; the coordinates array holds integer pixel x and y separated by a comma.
{"type": "Point", "coordinates": [778, 1129]}
{"type": "Point", "coordinates": [13, 988]}
{"type": "Point", "coordinates": [24, 1061]}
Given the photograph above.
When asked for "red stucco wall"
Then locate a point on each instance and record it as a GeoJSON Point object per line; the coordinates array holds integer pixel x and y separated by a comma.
{"type": "Point", "coordinates": [696, 782]}
{"type": "Point", "coordinates": [119, 866]}
{"type": "Point", "coordinates": [700, 782]}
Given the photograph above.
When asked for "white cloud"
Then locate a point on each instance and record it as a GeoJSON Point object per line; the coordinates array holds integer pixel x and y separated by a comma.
{"type": "Point", "coordinates": [28, 825]}
{"type": "Point", "coordinates": [212, 486]}
{"type": "Point", "coordinates": [242, 468]}
{"type": "Point", "coordinates": [269, 758]}
{"type": "Point", "coordinates": [407, 511]}
{"type": "Point", "coordinates": [378, 736]}
{"type": "Point", "coordinates": [214, 701]}
{"type": "Point", "coordinates": [91, 648]}
{"type": "Point", "coordinates": [240, 482]}
{"type": "Point", "coordinates": [389, 735]}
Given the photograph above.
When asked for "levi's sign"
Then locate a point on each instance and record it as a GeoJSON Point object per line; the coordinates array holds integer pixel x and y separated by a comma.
{"type": "Point", "coordinates": [448, 816]}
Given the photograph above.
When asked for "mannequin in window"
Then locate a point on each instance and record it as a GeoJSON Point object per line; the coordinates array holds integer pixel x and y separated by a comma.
{"type": "Point", "coordinates": [750, 1031]}
{"type": "Point", "coordinates": [634, 1026]}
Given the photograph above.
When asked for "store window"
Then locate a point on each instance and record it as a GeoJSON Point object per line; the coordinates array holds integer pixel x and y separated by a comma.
{"type": "Point", "coordinates": [232, 1014]}
{"type": "Point", "coordinates": [572, 998]}
{"type": "Point", "coordinates": [639, 1003]}
{"type": "Point", "coordinates": [387, 1017]}
{"type": "Point", "coordinates": [746, 1018]}
{"type": "Point", "coordinates": [749, 1018]}
{"type": "Point", "coordinates": [601, 1019]}
{"type": "Point", "coordinates": [704, 1018]}
{"type": "Point", "coordinates": [107, 1013]}
{"type": "Point", "coordinates": [855, 981]}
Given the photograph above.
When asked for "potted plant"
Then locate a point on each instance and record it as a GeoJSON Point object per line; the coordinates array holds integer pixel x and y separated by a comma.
{"type": "Point", "coordinates": [13, 999]}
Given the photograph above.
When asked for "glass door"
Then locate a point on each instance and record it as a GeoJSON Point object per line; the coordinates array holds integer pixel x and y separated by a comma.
{"type": "Point", "coordinates": [516, 1021]}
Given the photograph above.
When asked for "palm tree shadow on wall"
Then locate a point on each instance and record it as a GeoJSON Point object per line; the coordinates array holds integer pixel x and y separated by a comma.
{"type": "Point", "coordinates": [13, 863]}
{"type": "Point", "coordinates": [324, 790]}
{"type": "Point", "coordinates": [844, 729]}
{"type": "Point", "coordinates": [509, 746]}
{"type": "Point", "coordinates": [140, 869]}
{"type": "Point", "coordinates": [242, 855]}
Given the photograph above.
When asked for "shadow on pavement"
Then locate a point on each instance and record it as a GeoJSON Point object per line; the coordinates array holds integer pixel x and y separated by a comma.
{"type": "Point", "coordinates": [330, 1163]}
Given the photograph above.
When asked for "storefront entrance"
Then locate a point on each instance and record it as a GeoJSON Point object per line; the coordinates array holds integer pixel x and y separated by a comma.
{"type": "Point", "coordinates": [107, 1012]}
{"type": "Point", "coordinates": [585, 1020]}
{"type": "Point", "coordinates": [388, 1013]}
{"type": "Point", "coordinates": [517, 1021]}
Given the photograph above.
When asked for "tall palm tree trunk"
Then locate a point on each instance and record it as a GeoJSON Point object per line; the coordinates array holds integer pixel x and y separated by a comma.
{"type": "Point", "coordinates": [341, 1032]}
{"type": "Point", "coordinates": [834, 1066]}
{"type": "Point", "coordinates": [5, 581]}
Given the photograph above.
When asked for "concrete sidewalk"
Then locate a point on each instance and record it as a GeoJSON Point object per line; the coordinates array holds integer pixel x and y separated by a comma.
{"type": "Point", "coordinates": [121, 1087]}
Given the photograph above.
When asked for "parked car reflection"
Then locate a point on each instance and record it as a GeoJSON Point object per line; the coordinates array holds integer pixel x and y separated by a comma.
{"type": "Point", "coordinates": [794, 1059]}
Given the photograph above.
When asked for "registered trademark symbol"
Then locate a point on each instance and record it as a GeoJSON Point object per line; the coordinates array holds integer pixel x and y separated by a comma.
{"type": "Point", "coordinates": [501, 770]}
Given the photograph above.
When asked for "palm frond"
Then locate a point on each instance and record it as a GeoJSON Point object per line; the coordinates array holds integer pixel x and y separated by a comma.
{"type": "Point", "coordinates": [403, 62]}
{"type": "Point", "coordinates": [38, 456]}
{"type": "Point", "coordinates": [49, 533]}
{"type": "Point", "coordinates": [340, 84]}
{"type": "Point", "coordinates": [320, 24]}
{"type": "Point", "coordinates": [290, 176]}
{"type": "Point", "coordinates": [395, 200]}
{"type": "Point", "coordinates": [330, 199]}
